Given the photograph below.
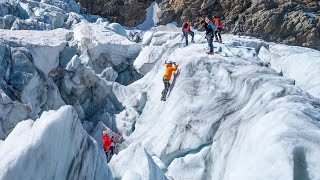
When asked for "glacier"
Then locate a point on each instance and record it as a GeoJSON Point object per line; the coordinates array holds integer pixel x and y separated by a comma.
{"type": "Point", "coordinates": [251, 111]}
{"type": "Point", "coordinates": [55, 146]}
{"type": "Point", "coordinates": [229, 116]}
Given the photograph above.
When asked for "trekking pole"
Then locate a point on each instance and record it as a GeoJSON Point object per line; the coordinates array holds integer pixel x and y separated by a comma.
{"type": "Point", "coordinates": [201, 38]}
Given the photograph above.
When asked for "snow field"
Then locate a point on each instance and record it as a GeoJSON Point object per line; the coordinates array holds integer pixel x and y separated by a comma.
{"type": "Point", "coordinates": [228, 116]}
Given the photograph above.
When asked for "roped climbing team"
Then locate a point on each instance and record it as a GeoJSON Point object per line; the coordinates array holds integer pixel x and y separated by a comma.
{"type": "Point", "coordinates": [213, 30]}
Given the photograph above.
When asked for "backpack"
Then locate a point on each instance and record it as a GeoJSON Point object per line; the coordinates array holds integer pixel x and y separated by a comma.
{"type": "Point", "coordinates": [220, 25]}
{"type": "Point", "coordinates": [212, 26]}
{"type": "Point", "coordinates": [185, 25]}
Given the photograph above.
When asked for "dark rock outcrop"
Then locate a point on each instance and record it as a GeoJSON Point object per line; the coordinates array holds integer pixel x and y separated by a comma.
{"type": "Point", "coordinates": [294, 22]}
{"type": "Point", "coordinates": [126, 12]}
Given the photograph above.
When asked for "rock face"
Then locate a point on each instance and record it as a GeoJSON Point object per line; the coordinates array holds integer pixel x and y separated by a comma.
{"type": "Point", "coordinates": [294, 22]}
{"type": "Point", "coordinates": [279, 21]}
{"type": "Point", "coordinates": [127, 12]}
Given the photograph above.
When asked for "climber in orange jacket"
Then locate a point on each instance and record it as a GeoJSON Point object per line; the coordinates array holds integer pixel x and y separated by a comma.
{"type": "Point", "coordinates": [219, 28]}
{"type": "Point", "coordinates": [169, 70]}
{"type": "Point", "coordinates": [166, 78]}
{"type": "Point", "coordinates": [186, 30]}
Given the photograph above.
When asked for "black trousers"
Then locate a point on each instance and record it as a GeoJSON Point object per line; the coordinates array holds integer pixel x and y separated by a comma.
{"type": "Point", "coordinates": [217, 34]}
{"type": "Point", "coordinates": [186, 37]}
{"type": "Point", "coordinates": [209, 38]}
{"type": "Point", "coordinates": [166, 85]}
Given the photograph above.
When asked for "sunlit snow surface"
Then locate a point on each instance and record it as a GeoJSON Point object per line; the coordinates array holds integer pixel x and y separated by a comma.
{"type": "Point", "coordinates": [228, 116]}
{"type": "Point", "coordinates": [301, 64]}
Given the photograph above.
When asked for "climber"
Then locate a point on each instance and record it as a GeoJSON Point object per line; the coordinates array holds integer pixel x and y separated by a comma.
{"type": "Point", "coordinates": [106, 142]}
{"type": "Point", "coordinates": [219, 28]}
{"type": "Point", "coordinates": [186, 31]}
{"type": "Point", "coordinates": [210, 23]}
{"type": "Point", "coordinates": [209, 35]}
{"type": "Point", "coordinates": [167, 77]}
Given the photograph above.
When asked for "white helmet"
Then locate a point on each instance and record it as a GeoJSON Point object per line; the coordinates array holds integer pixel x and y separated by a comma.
{"type": "Point", "coordinates": [169, 62]}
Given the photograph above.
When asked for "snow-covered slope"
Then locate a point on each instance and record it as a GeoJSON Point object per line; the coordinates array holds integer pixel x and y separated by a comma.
{"type": "Point", "coordinates": [228, 117]}
{"type": "Point", "coordinates": [301, 64]}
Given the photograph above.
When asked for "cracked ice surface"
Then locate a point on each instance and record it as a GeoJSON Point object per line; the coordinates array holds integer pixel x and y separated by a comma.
{"type": "Point", "coordinates": [97, 40]}
{"type": "Point", "coordinates": [45, 50]}
{"type": "Point", "coordinates": [53, 146]}
{"type": "Point", "coordinates": [135, 159]}
{"type": "Point", "coordinates": [39, 15]}
{"type": "Point", "coordinates": [301, 64]}
{"type": "Point", "coordinates": [44, 70]}
{"type": "Point", "coordinates": [228, 116]}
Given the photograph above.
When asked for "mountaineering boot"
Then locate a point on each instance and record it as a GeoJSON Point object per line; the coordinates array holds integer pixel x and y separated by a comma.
{"type": "Point", "coordinates": [163, 95]}
{"type": "Point", "coordinates": [193, 41]}
{"type": "Point", "coordinates": [210, 53]}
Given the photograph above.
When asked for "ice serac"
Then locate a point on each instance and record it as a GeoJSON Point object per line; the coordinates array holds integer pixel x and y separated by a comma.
{"type": "Point", "coordinates": [45, 50]}
{"type": "Point", "coordinates": [228, 117]}
{"type": "Point", "coordinates": [26, 89]}
{"type": "Point", "coordinates": [103, 49]}
{"type": "Point", "coordinates": [53, 146]}
{"type": "Point", "coordinates": [66, 5]}
{"type": "Point", "coordinates": [158, 44]}
{"type": "Point", "coordinates": [136, 161]}
{"type": "Point", "coordinates": [11, 113]}
{"type": "Point", "coordinates": [152, 17]}
{"type": "Point", "coordinates": [301, 64]}
{"type": "Point", "coordinates": [39, 15]}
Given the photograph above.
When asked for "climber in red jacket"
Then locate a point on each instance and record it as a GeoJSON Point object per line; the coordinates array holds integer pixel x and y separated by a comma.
{"type": "Point", "coordinates": [186, 30]}
{"type": "Point", "coordinates": [219, 28]}
{"type": "Point", "coordinates": [106, 142]}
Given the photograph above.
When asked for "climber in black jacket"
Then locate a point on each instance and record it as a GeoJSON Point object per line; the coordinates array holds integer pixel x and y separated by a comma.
{"type": "Point", "coordinates": [209, 35]}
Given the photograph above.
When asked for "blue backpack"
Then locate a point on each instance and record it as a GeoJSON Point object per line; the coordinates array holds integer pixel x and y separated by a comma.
{"type": "Point", "coordinates": [212, 26]}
